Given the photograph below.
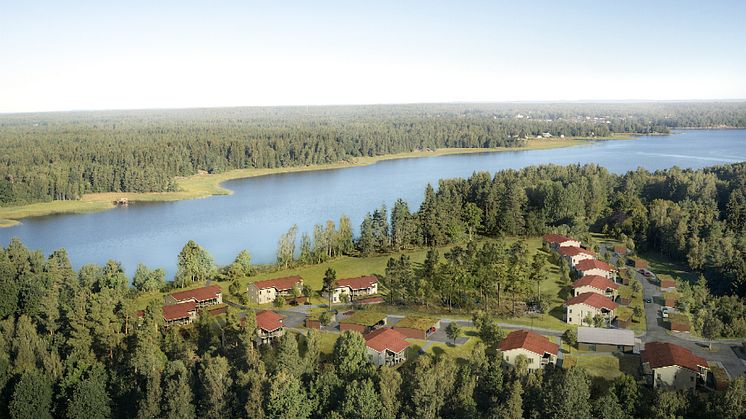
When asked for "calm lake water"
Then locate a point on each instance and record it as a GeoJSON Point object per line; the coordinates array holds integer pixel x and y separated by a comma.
{"type": "Point", "coordinates": [263, 208]}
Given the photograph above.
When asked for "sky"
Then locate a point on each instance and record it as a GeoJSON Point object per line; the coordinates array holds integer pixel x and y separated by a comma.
{"type": "Point", "coordinates": [80, 55]}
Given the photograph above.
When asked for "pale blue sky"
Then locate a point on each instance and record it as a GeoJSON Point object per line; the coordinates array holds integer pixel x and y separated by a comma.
{"type": "Point", "coordinates": [63, 55]}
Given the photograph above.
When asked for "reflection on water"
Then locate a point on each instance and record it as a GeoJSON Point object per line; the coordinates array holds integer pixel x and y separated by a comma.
{"type": "Point", "coordinates": [262, 208]}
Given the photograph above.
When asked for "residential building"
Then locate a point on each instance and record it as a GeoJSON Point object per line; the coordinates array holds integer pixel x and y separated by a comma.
{"type": "Point", "coordinates": [202, 297]}
{"type": "Point", "coordinates": [417, 327]}
{"type": "Point", "coordinates": [269, 326]}
{"type": "Point", "coordinates": [180, 313]}
{"type": "Point", "coordinates": [574, 255]}
{"type": "Point", "coordinates": [538, 349]}
{"type": "Point", "coordinates": [605, 340]}
{"type": "Point", "coordinates": [620, 250]}
{"type": "Point", "coordinates": [386, 346]}
{"type": "Point", "coordinates": [596, 283]}
{"type": "Point", "coordinates": [586, 306]}
{"type": "Point", "coordinates": [354, 288]}
{"type": "Point", "coordinates": [595, 267]}
{"type": "Point", "coordinates": [556, 241]}
{"type": "Point", "coordinates": [263, 292]}
{"type": "Point", "coordinates": [671, 366]}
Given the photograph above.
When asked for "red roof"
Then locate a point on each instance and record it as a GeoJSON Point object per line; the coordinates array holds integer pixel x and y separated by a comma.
{"type": "Point", "coordinates": [592, 299]}
{"type": "Point", "coordinates": [280, 284]}
{"type": "Point", "coordinates": [268, 320]}
{"type": "Point", "coordinates": [530, 341]}
{"type": "Point", "coordinates": [198, 294]}
{"type": "Point", "coordinates": [668, 283]}
{"type": "Point", "coordinates": [178, 311]}
{"type": "Point", "coordinates": [588, 264]}
{"type": "Point", "coordinates": [620, 250]}
{"type": "Point", "coordinates": [574, 251]}
{"type": "Point", "coordinates": [596, 281]}
{"type": "Point", "coordinates": [386, 338]}
{"type": "Point", "coordinates": [358, 283]}
{"type": "Point", "coordinates": [664, 354]}
{"type": "Point", "coordinates": [557, 238]}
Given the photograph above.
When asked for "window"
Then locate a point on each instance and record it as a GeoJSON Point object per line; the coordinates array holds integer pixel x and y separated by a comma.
{"type": "Point", "coordinates": [530, 360]}
{"type": "Point", "coordinates": [569, 311]}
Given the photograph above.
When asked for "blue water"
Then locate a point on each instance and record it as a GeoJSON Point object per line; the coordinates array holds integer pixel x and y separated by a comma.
{"type": "Point", "coordinates": [262, 208]}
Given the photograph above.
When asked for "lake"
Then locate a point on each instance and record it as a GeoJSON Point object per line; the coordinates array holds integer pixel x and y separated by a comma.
{"type": "Point", "coordinates": [262, 208]}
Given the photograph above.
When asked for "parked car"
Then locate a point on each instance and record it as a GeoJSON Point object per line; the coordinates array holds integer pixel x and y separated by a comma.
{"type": "Point", "coordinates": [649, 300]}
{"type": "Point", "coordinates": [646, 273]}
{"type": "Point", "coordinates": [664, 312]}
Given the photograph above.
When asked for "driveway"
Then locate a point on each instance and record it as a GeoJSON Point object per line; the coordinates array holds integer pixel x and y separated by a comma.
{"type": "Point", "coordinates": [723, 352]}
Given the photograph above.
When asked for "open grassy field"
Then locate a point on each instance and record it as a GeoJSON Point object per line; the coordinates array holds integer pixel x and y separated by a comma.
{"type": "Point", "coordinates": [604, 366]}
{"type": "Point", "coordinates": [204, 185]}
{"type": "Point", "coordinates": [347, 267]}
{"type": "Point", "coordinates": [660, 264]}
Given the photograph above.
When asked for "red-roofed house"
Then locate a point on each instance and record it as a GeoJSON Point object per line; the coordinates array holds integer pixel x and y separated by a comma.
{"type": "Point", "coordinates": [574, 255]}
{"type": "Point", "coordinates": [354, 288]}
{"type": "Point", "coordinates": [180, 313]}
{"type": "Point", "coordinates": [205, 296]}
{"type": "Point", "coordinates": [596, 283]}
{"type": "Point", "coordinates": [386, 346]}
{"type": "Point", "coordinates": [586, 306]}
{"type": "Point", "coordinates": [620, 250]}
{"type": "Point", "coordinates": [269, 326]}
{"type": "Point", "coordinates": [539, 350]}
{"type": "Point", "coordinates": [263, 292]}
{"type": "Point", "coordinates": [595, 267]}
{"type": "Point", "coordinates": [557, 241]}
{"type": "Point", "coordinates": [670, 366]}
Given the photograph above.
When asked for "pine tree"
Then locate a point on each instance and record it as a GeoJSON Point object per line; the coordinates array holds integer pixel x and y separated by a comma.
{"type": "Point", "coordinates": [177, 393]}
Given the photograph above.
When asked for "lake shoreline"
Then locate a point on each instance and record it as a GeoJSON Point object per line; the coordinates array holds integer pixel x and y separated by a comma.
{"type": "Point", "coordinates": [206, 185]}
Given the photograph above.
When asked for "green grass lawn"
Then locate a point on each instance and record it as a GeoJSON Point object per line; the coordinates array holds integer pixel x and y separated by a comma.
{"type": "Point", "coordinates": [417, 322]}
{"type": "Point", "coordinates": [347, 267]}
{"type": "Point", "coordinates": [327, 341]}
{"type": "Point", "coordinates": [604, 366]}
{"type": "Point", "coordinates": [661, 264]}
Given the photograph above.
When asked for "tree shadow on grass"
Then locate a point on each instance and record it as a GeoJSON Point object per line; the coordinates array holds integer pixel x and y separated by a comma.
{"type": "Point", "coordinates": [558, 313]}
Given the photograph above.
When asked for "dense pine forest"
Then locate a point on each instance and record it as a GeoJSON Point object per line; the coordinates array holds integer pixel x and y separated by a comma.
{"type": "Point", "coordinates": [73, 347]}
{"type": "Point", "coordinates": [695, 217]}
{"type": "Point", "coordinates": [61, 156]}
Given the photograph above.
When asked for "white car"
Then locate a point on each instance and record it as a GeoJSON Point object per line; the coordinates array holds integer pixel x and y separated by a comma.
{"type": "Point", "coordinates": [664, 312]}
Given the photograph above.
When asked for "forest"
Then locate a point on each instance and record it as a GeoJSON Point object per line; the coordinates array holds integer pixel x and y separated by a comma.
{"type": "Point", "coordinates": [73, 347]}
{"type": "Point", "coordinates": [695, 217]}
{"type": "Point", "coordinates": [61, 156]}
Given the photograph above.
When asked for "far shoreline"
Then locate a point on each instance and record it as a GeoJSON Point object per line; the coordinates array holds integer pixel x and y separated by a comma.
{"type": "Point", "coordinates": [200, 186]}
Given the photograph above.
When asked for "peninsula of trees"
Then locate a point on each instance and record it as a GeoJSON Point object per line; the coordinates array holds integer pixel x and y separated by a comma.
{"type": "Point", "coordinates": [61, 156]}
{"type": "Point", "coordinates": [73, 345]}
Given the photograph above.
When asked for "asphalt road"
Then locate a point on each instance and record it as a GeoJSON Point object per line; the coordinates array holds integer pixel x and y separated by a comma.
{"type": "Point", "coordinates": [724, 352]}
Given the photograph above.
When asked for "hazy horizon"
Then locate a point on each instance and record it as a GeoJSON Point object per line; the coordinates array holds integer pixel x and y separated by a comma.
{"type": "Point", "coordinates": [87, 56]}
